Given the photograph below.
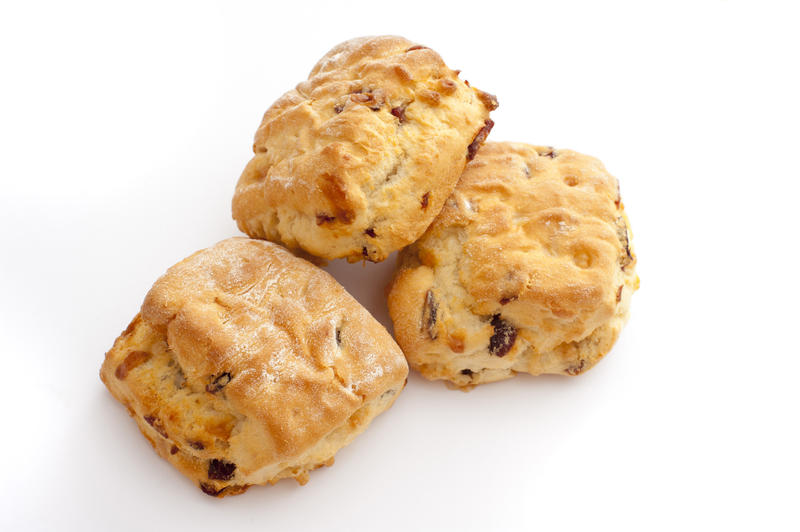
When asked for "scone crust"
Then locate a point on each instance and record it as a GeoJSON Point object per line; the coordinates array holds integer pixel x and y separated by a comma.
{"type": "Point", "coordinates": [247, 365]}
{"type": "Point", "coordinates": [528, 268]}
{"type": "Point", "coordinates": [357, 160]}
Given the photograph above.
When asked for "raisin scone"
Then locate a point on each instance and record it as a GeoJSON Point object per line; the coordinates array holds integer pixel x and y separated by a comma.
{"type": "Point", "coordinates": [528, 268]}
{"type": "Point", "coordinates": [247, 365]}
{"type": "Point", "coordinates": [357, 160]}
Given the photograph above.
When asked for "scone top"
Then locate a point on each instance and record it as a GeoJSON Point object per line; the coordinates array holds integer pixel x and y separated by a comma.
{"type": "Point", "coordinates": [275, 325]}
{"type": "Point", "coordinates": [528, 268]}
{"type": "Point", "coordinates": [357, 160]}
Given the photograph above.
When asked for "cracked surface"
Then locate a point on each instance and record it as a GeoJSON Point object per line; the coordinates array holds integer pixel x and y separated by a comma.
{"type": "Point", "coordinates": [375, 139]}
{"type": "Point", "coordinates": [530, 267]}
{"type": "Point", "coordinates": [247, 365]}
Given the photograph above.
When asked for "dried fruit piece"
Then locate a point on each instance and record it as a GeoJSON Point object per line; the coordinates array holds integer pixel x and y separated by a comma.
{"type": "Point", "coordinates": [220, 469]}
{"type": "Point", "coordinates": [431, 97]}
{"type": "Point", "coordinates": [576, 369]}
{"type": "Point", "coordinates": [134, 359]}
{"type": "Point", "coordinates": [503, 338]}
{"type": "Point", "coordinates": [456, 342]}
{"type": "Point", "coordinates": [208, 489]}
{"type": "Point", "coordinates": [447, 86]}
{"type": "Point", "coordinates": [466, 372]}
{"type": "Point", "coordinates": [429, 311]}
{"type": "Point", "coordinates": [508, 299]}
{"type": "Point", "coordinates": [194, 444]}
{"type": "Point", "coordinates": [424, 200]}
{"type": "Point", "coordinates": [361, 97]}
{"type": "Point", "coordinates": [174, 450]}
{"type": "Point", "coordinates": [622, 234]}
{"type": "Point", "coordinates": [370, 232]}
{"type": "Point", "coordinates": [219, 383]}
{"type": "Point", "coordinates": [324, 218]}
{"type": "Point", "coordinates": [489, 100]}
{"type": "Point", "coordinates": [338, 108]}
{"type": "Point", "coordinates": [483, 132]}
{"type": "Point", "coordinates": [400, 113]}
{"type": "Point", "coordinates": [157, 424]}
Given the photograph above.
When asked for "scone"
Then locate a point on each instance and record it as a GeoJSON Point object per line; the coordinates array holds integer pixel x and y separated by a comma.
{"type": "Point", "coordinates": [247, 365]}
{"type": "Point", "coordinates": [357, 160]}
{"type": "Point", "coordinates": [528, 268]}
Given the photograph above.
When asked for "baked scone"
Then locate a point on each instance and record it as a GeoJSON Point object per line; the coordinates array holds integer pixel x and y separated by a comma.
{"type": "Point", "coordinates": [247, 365]}
{"type": "Point", "coordinates": [528, 268]}
{"type": "Point", "coordinates": [357, 160]}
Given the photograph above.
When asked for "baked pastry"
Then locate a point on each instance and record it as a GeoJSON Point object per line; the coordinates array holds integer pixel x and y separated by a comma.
{"type": "Point", "coordinates": [247, 365]}
{"type": "Point", "coordinates": [357, 160]}
{"type": "Point", "coordinates": [528, 268]}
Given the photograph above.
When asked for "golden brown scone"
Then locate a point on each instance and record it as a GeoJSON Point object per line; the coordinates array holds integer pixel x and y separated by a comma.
{"type": "Point", "coordinates": [247, 365]}
{"type": "Point", "coordinates": [528, 268]}
{"type": "Point", "coordinates": [357, 160]}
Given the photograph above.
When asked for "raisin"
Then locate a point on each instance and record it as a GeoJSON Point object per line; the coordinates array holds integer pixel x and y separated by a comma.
{"type": "Point", "coordinates": [489, 100]}
{"type": "Point", "coordinates": [370, 232]}
{"type": "Point", "coordinates": [466, 372]}
{"type": "Point", "coordinates": [361, 97]}
{"type": "Point", "coordinates": [508, 299]}
{"type": "Point", "coordinates": [431, 97]}
{"type": "Point", "coordinates": [551, 152]}
{"type": "Point", "coordinates": [208, 489]}
{"type": "Point", "coordinates": [338, 337]}
{"type": "Point", "coordinates": [622, 234]}
{"type": "Point", "coordinates": [424, 200]}
{"type": "Point", "coordinates": [174, 450]}
{"type": "Point", "coordinates": [364, 252]}
{"type": "Point", "coordinates": [483, 132]}
{"type": "Point", "coordinates": [400, 113]}
{"type": "Point", "coordinates": [338, 108]}
{"type": "Point", "coordinates": [219, 383]}
{"type": "Point", "coordinates": [323, 218]}
{"type": "Point", "coordinates": [157, 424]}
{"type": "Point", "coordinates": [447, 86]}
{"type": "Point", "coordinates": [194, 444]}
{"type": "Point", "coordinates": [575, 370]}
{"type": "Point", "coordinates": [134, 359]}
{"type": "Point", "coordinates": [429, 311]}
{"type": "Point", "coordinates": [220, 470]}
{"type": "Point", "coordinates": [503, 338]}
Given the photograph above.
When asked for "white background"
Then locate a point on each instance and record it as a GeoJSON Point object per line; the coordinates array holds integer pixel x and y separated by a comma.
{"type": "Point", "coordinates": [124, 129]}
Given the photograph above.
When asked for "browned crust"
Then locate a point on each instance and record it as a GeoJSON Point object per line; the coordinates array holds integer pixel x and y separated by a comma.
{"type": "Point", "coordinates": [349, 149]}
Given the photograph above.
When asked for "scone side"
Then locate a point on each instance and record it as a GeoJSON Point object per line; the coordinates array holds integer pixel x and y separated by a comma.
{"type": "Point", "coordinates": [171, 444]}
